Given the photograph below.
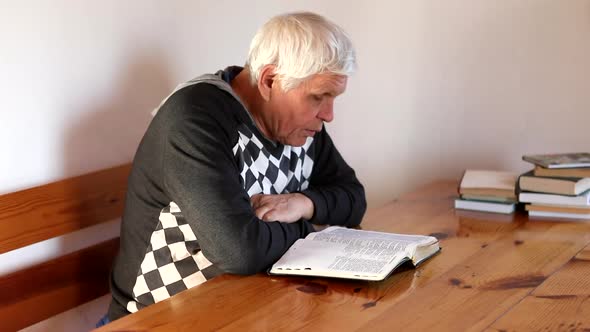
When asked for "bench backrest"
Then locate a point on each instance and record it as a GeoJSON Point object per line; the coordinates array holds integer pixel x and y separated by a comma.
{"type": "Point", "coordinates": [43, 212]}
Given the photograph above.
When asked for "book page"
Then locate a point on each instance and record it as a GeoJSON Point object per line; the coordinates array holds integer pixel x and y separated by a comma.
{"type": "Point", "coordinates": [342, 250]}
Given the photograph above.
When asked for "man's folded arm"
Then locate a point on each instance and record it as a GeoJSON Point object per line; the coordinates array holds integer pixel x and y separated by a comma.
{"type": "Point", "coordinates": [203, 179]}
{"type": "Point", "coordinates": [338, 196]}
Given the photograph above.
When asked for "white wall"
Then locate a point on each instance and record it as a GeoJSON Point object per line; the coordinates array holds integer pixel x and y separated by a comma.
{"type": "Point", "coordinates": [448, 85]}
{"type": "Point", "coordinates": [442, 85]}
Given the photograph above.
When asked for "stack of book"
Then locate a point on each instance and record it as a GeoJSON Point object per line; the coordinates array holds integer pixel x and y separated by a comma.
{"type": "Point", "coordinates": [558, 186]}
{"type": "Point", "coordinates": [488, 191]}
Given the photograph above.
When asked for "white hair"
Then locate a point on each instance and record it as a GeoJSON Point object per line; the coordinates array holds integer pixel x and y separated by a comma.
{"type": "Point", "coordinates": [300, 45]}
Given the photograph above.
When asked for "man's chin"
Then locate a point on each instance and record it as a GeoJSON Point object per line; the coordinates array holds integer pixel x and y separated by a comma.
{"type": "Point", "coordinates": [295, 142]}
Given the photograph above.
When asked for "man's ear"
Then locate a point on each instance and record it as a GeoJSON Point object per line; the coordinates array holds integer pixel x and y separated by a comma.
{"type": "Point", "coordinates": [266, 80]}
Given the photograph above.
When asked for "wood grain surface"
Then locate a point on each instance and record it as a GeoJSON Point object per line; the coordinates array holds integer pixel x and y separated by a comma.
{"type": "Point", "coordinates": [33, 215]}
{"type": "Point", "coordinates": [494, 273]}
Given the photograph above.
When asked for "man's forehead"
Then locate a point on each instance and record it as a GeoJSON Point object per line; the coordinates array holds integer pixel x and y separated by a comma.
{"type": "Point", "coordinates": [327, 83]}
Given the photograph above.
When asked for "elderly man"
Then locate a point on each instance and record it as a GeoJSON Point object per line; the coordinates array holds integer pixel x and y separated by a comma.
{"type": "Point", "coordinates": [236, 166]}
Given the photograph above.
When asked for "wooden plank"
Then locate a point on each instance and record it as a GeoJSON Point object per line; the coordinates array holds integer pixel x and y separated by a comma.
{"type": "Point", "coordinates": [42, 291]}
{"type": "Point", "coordinates": [561, 303]}
{"type": "Point", "coordinates": [43, 212]}
{"type": "Point", "coordinates": [476, 292]}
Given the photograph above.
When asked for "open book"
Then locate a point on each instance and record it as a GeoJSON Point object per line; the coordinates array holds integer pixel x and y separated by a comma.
{"type": "Point", "coordinates": [353, 254]}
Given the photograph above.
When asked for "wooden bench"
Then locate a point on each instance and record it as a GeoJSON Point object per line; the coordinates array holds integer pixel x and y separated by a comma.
{"type": "Point", "coordinates": [40, 213]}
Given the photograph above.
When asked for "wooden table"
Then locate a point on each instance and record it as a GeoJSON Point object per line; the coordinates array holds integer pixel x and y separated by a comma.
{"type": "Point", "coordinates": [495, 273]}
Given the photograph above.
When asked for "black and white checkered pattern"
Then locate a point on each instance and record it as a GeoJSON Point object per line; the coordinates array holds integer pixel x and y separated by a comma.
{"type": "Point", "coordinates": [173, 261]}
{"type": "Point", "coordinates": [287, 170]}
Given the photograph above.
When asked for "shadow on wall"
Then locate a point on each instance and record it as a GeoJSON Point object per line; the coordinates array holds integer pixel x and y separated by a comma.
{"type": "Point", "coordinates": [108, 134]}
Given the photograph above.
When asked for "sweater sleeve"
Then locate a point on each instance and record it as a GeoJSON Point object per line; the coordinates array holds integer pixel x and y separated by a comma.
{"type": "Point", "coordinates": [202, 178]}
{"type": "Point", "coordinates": [338, 196]}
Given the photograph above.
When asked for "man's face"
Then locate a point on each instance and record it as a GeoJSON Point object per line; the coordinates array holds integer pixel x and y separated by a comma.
{"type": "Point", "coordinates": [294, 116]}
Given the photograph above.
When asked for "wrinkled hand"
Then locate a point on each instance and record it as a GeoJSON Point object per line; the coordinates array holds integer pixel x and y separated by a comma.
{"type": "Point", "coordinates": [284, 207]}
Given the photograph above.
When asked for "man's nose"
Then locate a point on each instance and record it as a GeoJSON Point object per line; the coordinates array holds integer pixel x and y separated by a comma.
{"type": "Point", "coordinates": [326, 113]}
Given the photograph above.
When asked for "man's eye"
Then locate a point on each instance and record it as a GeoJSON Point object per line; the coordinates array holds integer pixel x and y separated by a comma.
{"type": "Point", "coordinates": [317, 97]}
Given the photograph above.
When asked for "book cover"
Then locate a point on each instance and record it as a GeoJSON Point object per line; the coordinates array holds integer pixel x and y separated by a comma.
{"type": "Point", "coordinates": [560, 215]}
{"type": "Point", "coordinates": [558, 208]}
{"type": "Point", "coordinates": [496, 207]}
{"type": "Point", "coordinates": [339, 252]}
{"type": "Point", "coordinates": [579, 172]}
{"type": "Point", "coordinates": [559, 160]}
{"type": "Point", "coordinates": [581, 200]}
{"type": "Point", "coordinates": [553, 185]}
{"type": "Point", "coordinates": [484, 198]}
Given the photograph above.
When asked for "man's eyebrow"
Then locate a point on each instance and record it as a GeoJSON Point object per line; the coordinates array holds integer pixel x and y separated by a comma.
{"type": "Point", "coordinates": [317, 91]}
{"type": "Point", "coordinates": [324, 91]}
{"type": "Point", "coordinates": [323, 94]}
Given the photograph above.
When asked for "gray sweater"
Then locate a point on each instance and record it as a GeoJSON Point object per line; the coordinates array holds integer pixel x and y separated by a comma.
{"type": "Point", "coordinates": [187, 214]}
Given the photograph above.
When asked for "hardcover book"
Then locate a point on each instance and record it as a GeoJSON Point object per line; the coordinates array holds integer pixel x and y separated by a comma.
{"type": "Point", "coordinates": [579, 172]}
{"type": "Point", "coordinates": [560, 160]}
{"type": "Point", "coordinates": [561, 186]}
{"type": "Point", "coordinates": [497, 207]}
{"type": "Point", "coordinates": [488, 183]}
{"type": "Point", "coordinates": [581, 200]}
{"type": "Point", "coordinates": [560, 215]}
{"type": "Point", "coordinates": [558, 208]}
